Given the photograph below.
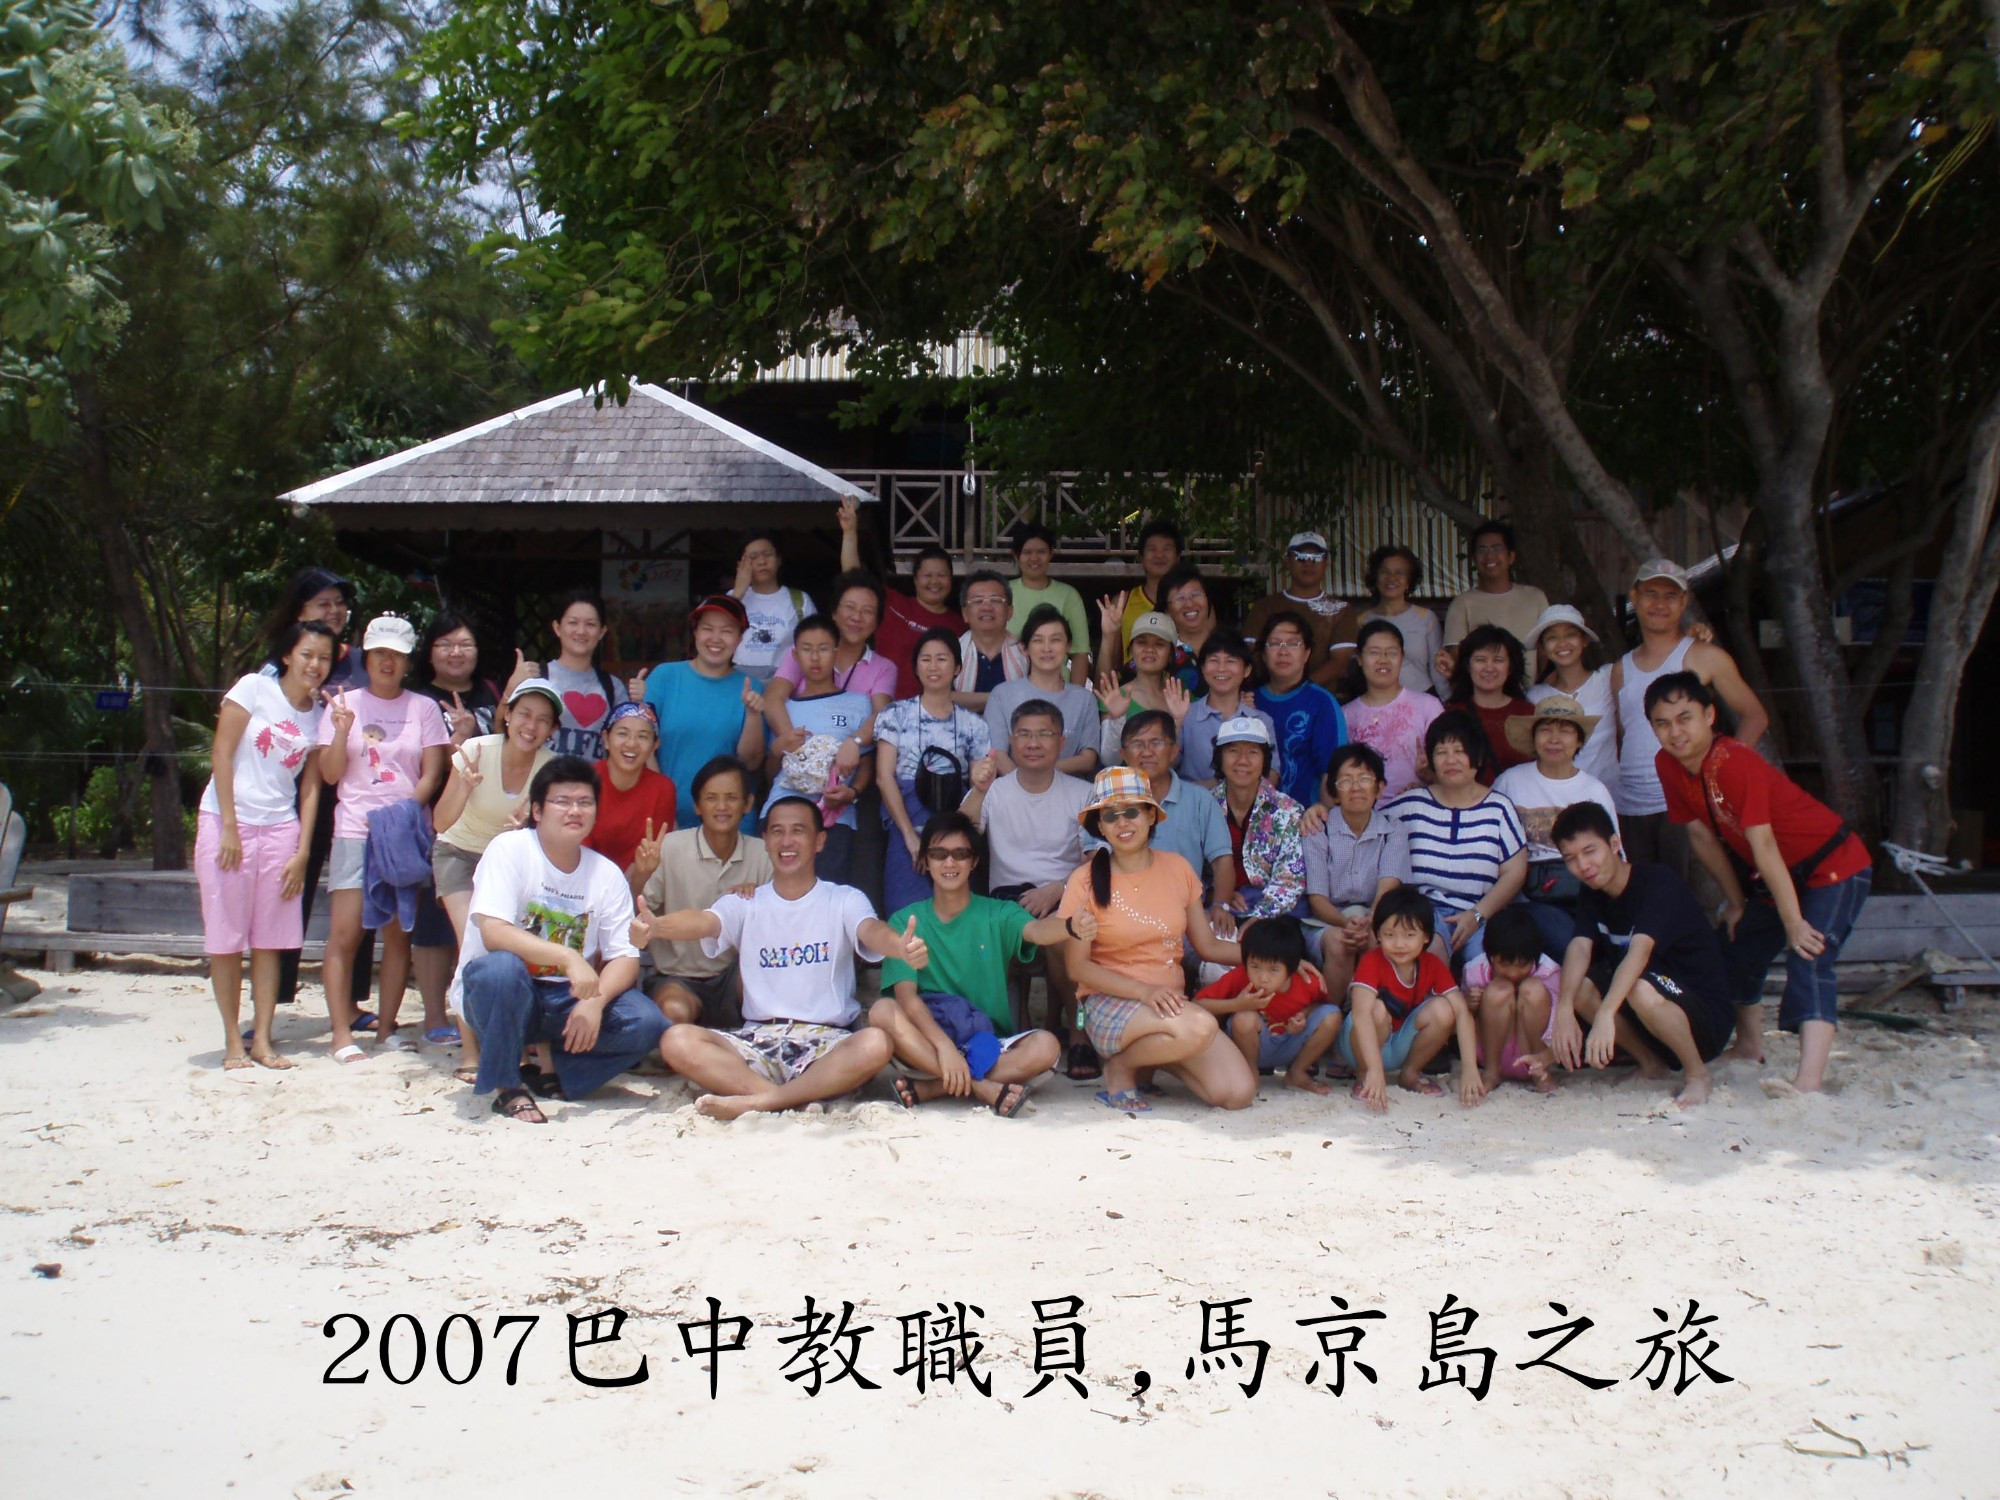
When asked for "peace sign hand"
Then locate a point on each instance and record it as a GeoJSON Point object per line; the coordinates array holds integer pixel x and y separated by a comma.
{"type": "Point", "coordinates": [645, 855]}
{"type": "Point", "coordinates": [850, 515]}
{"type": "Point", "coordinates": [468, 765]}
{"type": "Point", "coordinates": [463, 721]}
{"type": "Point", "coordinates": [337, 706]}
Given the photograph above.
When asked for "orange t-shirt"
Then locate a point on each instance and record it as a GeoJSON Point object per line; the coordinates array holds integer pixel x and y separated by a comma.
{"type": "Point", "coordinates": [1139, 935]}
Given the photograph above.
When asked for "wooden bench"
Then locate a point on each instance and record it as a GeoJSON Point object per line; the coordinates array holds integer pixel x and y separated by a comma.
{"type": "Point", "coordinates": [136, 913]}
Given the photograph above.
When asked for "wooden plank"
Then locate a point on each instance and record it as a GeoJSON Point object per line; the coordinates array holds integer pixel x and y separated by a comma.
{"type": "Point", "coordinates": [1880, 945]}
{"type": "Point", "coordinates": [152, 902]}
{"type": "Point", "coordinates": [51, 946]}
{"type": "Point", "coordinates": [1976, 909]}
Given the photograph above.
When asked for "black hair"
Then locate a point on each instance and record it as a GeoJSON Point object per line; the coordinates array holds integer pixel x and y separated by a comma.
{"type": "Point", "coordinates": [1580, 819]}
{"type": "Point", "coordinates": [1354, 682]}
{"type": "Point", "coordinates": [951, 820]}
{"type": "Point", "coordinates": [1382, 554]}
{"type": "Point", "coordinates": [1686, 685]}
{"type": "Point", "coordinates": [1478, 639]}
{"type": "Point", "coordinates": [1100, 862]}
{"type": "Point", "coordinates": [1040, 615]}
{"type": "Point", "coordinates": [307, 584]}
{"type": "Point", "coordinates": [1354, 753]}
{"type": "Point", "coordinates": [1233, 744]}
{"type": "Point", "coordinates": [859, 578]}
{"type": "Point", "coordinates": [562, 770]}
{"type": "Point", "coordinates": [1151, 718]}
{"type": "Point", "coordinates": [1034, 708]}
{"type": "Point", "coordinates": [1461, 727]}
{"type": "Point", "coordinates": [754, 537]}
{"type": "Point", "coordinates": [1026, 532]}
{"type": "Point", "coordinates": [1298, 622]}
{"type": "Point", "coordinates": [936, 633]}
{"type": "Point", "coordinates": [1160, 526]}
{"type": "Point", "coordinates": [984, 575]}
{"type": "Point", "coordinates": [1513, 937]}
{"type": "Point", "coordinates": [1179, 576]}
{"type": "Point", "coordinates": [286, 641]}
{"type": "Point", "coordinates": [1223, 643]}
{"type": "Point", "coordinates": [796, 799]}
{"type": "Point", "coordinates": [1406, 903]}
{"type": "Point", "coordinates": [442, 624]}
{"type": "Point", "coordinates": [934, 553]}
{"type": "Point", "coordinates": [1277, 940]}
{"type": "Point", "coordinates": [1491, 528]}
{"type": "Point", "coordinates": [822, 623]}
{"type": "Point", "coordinates": [721, 765]}
{"type": "Point", "coordinates": [1591, 657]}
{"type": "Point", "coordinates": [581, 596]}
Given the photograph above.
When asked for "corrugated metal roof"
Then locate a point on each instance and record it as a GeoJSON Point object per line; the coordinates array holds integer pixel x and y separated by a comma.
{"type": "Point", "coordinates": [969, 355]}
{"type": "Point", "coordinates": [657, 449]}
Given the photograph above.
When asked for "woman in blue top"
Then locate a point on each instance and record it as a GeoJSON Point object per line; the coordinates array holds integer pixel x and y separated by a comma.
{"type": "Point", "coordinates": [1308, 718]}
{"type": "Point", "coordinates": [919, 743]}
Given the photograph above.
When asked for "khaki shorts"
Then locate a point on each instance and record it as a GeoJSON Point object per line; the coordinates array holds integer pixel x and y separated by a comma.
{"type": "Point", "coordinates": [453, 868]}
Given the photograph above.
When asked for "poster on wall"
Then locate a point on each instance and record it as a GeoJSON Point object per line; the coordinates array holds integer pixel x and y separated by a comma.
{"type": "Point", "coordinates": [646, 592]}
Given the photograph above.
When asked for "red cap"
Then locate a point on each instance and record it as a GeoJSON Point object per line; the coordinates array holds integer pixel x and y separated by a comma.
{"type": "Point", "coordinates": [722, 604]}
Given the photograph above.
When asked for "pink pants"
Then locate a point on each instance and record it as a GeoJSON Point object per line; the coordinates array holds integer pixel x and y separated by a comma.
{"type": "Point", "coordinates": [241, 908]}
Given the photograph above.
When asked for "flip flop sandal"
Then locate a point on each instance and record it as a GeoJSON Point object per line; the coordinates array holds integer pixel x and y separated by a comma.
{"type": "Point", "coordinates": [442, 1036]}
{"type": "Point", "coordinates": [466, 1075]}
{"type": "Point", "coordinates": [395, 1043]}
{"type": "Point", "coordinates": [1130, 1101]}
{"type": "Point", "coordinates": [518, 1104]}
{"type": "Point", "coordinates": [349, 1054]}
{"type": "Point", "coordinates": [364, 1022]}
{"type": "Point", "coordinates": [906, 1093]}
{"type": "Point", "coordinates": [1084, 1063]}
{"type": "Point", "coordinates": [1012, 1097]}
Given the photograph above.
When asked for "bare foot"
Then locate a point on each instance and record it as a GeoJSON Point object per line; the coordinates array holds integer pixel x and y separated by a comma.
{"type": "Point", "coordinates": [1490, 1077]}
{"type": "Point", "coordinates": [269, 1059]}
{"type": "Point", "coordinates": [1694, 1090]}
{"type": "Point", "coordinates": [1778, 1088]}
{"type": "Point", "coordinates": [1419, 1085]}
{"type": "Point", "coordinates": [1541, 1071]}
{"type": "Point", "coordinates": [1305, 1081]}
{"type": "Point", "coordinates": [726, 1106]}
{"type": "Point", "coordinates": [1746, 1049]}
{"type": "Point", "coordinates": [231, 1061]}
{"type": "Point", "coordinates": [1653, 1068]}
{"type": "Point", "coordinates": [1372, 1095]}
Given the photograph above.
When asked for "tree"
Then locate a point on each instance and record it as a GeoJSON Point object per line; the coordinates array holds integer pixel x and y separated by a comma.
{"type": "Point", "coordinates": [1485, 221]}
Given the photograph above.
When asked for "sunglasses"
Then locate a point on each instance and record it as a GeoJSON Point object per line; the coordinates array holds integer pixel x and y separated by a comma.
{"type": "Point", "coordinates": [958, 856]}
{"type": "Point", "coordinates": [1120, 814]}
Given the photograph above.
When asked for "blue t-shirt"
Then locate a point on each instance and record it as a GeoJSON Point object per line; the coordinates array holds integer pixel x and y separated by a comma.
{"type": "Point", "coordinates": [700, 718]}
{"type": "Point", "coordinates": [837, 714]}
{"type": "Point", "coordinates": [1310, 728]}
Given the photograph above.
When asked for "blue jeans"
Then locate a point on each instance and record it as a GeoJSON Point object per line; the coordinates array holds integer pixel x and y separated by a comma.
{"type": "Point", "coordinates": [1809, 987]}
{"type": "Point", "coordinates": [1276, 1052]}
{"type": "Point", "coordinates": [510, 1008]}
{"type": "Point", "coordinates": [901, 884]}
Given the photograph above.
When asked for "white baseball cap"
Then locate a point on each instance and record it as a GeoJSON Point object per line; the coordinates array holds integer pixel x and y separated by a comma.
{"type": "Point", "coordinates": [1242, 730]}
{"type": "Point", "coordinates": [1307, 541]}
{"type": "Point", "coordinates": [390, 632]}
{"type": "Point", "coordinates": [1662, 567]}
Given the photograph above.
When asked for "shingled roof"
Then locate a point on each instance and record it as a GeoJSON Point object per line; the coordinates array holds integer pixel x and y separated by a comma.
{"type": "Point", "coordinates": [568, 460]}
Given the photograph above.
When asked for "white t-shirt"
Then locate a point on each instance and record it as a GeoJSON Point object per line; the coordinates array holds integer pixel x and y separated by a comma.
{"type": "Point", "coordinates": [588, 909]}
{"type": "Point", "coordinates": [273, 751]}
{"type": "Point", "coordinates": [795, 958]}
{"type": "Point", "coordinates": [385, 754]}
{"type": "Point", "coordinates": [1538, 800]}
{"type": "Point", "coordinates": [773, 617]}
{"type": "Point", "coordinates": [1032, 838]}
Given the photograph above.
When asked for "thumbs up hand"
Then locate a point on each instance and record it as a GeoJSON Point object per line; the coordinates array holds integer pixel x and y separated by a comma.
{"type": "Point", "coordinates": [916, 952]}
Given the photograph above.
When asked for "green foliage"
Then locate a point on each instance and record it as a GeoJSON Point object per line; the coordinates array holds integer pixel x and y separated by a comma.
{"type": "Point", "coordinates": [82, 159]}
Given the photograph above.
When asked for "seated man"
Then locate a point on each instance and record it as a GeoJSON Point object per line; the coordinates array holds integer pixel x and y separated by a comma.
{"type": "Point", "coordinates": [955, 1021]}
{"type": "Point", "coordinates": [547, 956]}
{"type": "Point", "coordinates": [1644, 968]}
{"type": "Point", "coordinates": [697, 866]}
{"type": "Point", "coordinates": [797, 938]}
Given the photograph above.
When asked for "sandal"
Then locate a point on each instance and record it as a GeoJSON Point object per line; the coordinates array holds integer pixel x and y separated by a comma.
{"type": "Point", "coordinates": [906, 1093]}
{"type": "Point", "coordinates": [542, 1085]}
{"type": "Point", "coordinates": [349, 1054]}
{"type": "Point", "coordinates": [442, 1036]}
{"type": "Point", "coordinates": [395, 1042]}
{"type": "Point", "coordinates": [518, 1104]}
{"type": "Point", "coordinates": [1083, 1063]}
{"type": "Point", "coordinates": [365, 1021]}
{"type": "Point", "coordinates": [1130, 1101]}
{"type": "Point", "coordinates": [1012, 1097]}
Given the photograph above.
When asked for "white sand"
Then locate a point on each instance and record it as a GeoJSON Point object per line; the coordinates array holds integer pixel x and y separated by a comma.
{"type": "Point", "coordinates": [207, 1224]}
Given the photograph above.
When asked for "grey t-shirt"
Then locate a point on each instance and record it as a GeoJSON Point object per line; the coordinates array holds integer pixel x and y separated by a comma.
{"type": "Point", "coordinates": [1033, 838]}
{"type": "Point", "coordinates": [585, 709]}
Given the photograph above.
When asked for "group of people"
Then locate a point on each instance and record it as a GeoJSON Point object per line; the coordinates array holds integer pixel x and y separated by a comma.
{"type": "Point", "coordinates": [1336, 837]}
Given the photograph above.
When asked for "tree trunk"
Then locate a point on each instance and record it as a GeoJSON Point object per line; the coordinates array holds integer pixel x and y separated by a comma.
{"type": "Point", "coordinates": [114, 544]}
{"type": "Point", "coordinates": [1961, 599]}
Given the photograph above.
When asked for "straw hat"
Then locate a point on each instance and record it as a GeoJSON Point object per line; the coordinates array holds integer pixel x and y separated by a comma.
{"type": "Point", "coordinates": [1121, 786]}
{"type": "Point", "coordinates": [1557, 708]}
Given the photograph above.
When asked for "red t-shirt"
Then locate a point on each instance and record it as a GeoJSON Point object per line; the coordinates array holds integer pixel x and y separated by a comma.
{"type": "Point", "coordinates": [1304, 991]}
{"type": "Point", "coordinates": [1433, 978]}
{"type": "Point", "coordinates": [1494, 722]}
{"type": "Point", "coordinates": [902, 624]}
{"type": "Point", "coordinates": [621, 816]}
{"type": "Point", "coordinates": [1746, 790]}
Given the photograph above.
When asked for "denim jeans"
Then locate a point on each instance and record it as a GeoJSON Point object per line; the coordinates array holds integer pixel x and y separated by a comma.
{"type": "Point", "coordinates": [1809, 986]}
{"type": "Point", "coordinates": [510, 1008]}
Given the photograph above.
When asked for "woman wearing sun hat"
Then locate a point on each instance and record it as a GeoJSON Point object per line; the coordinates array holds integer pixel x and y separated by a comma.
{"type": "Point", "coordinates": [1572, 663]}
{"type": "Point", "coordinates": [1131, 988]}
{"type": "Point", "coordinates": [380, 745]}
{"type": "Point", "coordinates": [1556, 735]}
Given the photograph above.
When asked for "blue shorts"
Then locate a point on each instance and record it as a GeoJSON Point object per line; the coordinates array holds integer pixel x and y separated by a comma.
{"type": "Point", "coordinates": [1395, 1046]}
{"type": "Point", "coordinates": [1277, 1050]}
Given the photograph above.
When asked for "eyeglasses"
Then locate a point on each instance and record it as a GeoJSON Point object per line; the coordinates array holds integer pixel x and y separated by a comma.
{"type": "Point", "coordinates": [1149, 743]}
{"type": "Point", "coordinates": [957, 855]}
{"type": "Point", "coordinates": [454, 648]}
{"type": "Point", "coordinates": [1287, 645]}
{"type": "Point", "coordinates": [1120, 814]}
{"type": "Point", "coordinates": [982, 600]}
{"type": "Point", "coordinates": [1490, 549]}
{"type": "Point", "coordinates": [1352, 783]}
{"type": "Point", "coordinates": [570, 804]}
{"type": "Point", "coordinates": [1038, 736]}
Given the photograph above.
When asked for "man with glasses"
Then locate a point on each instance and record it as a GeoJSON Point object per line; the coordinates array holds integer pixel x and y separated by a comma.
{"type": "Point", "coordinates": [953, 1021]}
{"type": "Point", "coordinates": [1334, 620]}
{"type": "Point", "coordinates": [548, 955]}
{"type": "Point", "coordinates": [987, 654]}
{"type": "Point", "coordinates": [1496, 599]}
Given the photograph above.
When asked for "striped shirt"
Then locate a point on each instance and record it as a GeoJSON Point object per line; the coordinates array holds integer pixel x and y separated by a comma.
{"type": "Point", "coordinates": [1456, 852]}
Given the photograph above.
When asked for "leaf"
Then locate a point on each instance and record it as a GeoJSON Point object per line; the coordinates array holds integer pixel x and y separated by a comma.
{"type": "Point", "coordinates": [713, 14]}
{"type": "Point", "coordinates": [1921, 62]}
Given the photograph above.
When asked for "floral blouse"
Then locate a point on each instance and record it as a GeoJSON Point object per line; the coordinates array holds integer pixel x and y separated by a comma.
{"type": "Point", "coordinates": [1273, 861]}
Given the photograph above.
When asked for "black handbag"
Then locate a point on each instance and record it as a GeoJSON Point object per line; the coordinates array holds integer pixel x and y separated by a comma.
{"type": "Point", "coordinates": [941, 779]}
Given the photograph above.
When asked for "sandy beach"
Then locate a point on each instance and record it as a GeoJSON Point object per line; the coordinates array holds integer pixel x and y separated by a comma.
{"type": "Point", "coordinates": [208, 1224]}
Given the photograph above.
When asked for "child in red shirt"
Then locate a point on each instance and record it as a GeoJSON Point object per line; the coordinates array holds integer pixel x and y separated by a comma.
{"type": "Point", "coordinates": [1274, 1004]}
{"type": "Point", "coordinates": [1403, 1006]}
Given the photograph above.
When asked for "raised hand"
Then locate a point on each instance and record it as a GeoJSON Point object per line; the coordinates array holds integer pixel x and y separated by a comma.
{"type": "Point", "coordinates": [849, 515]}
{"type": "Point", "coordinates": [641, 932]}
{"type": "Point", "coordinates": [1178, 701]}
{"type": "Point", "coordinates": [1111, 696]}
{"type": "Point", "coordinates": [983, 771]}
{"type": "Point", "coordinates": [468, 766]}
{"type": "Point", "coordinates": [916, 952]}
{"type": "Point", "coordinates": [343, 714]}
{"type": "Point", "coordinates": [645, 854]}
{"type": "Point", "coordinates": [463, 721]}
{"type": "Point", "coordinates": [742, 586]}
{"type": "Point", "coordinates": [1111, 617]}
{"type": "Point", "coordinates": [635, 687]}
{"type": "Point", "coordinates": [753, 700]}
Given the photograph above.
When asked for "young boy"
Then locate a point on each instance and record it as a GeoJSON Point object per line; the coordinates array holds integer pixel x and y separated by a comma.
{"type": "Point", "coordinates": [1274, 1007]}
{"type": "Point", "coordinates": [1512, 988]}
{"type": "Point", "coordinates": [1403, 1006]}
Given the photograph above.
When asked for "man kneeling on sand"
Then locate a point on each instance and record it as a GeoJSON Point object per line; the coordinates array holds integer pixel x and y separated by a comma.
{"type": "Point", "coordinates": [546, 956]}
{"type": "Point", "coordinates": [796, 940]}
{"type": "Point", "coordinates": [1644, 969]}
